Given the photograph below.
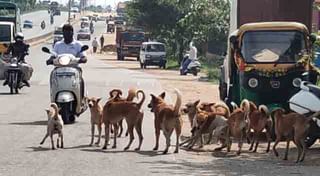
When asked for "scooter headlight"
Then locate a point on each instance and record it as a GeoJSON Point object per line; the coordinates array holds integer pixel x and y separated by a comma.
{"type": "Point", "coordinates": [64, 60]}
{"type": "Point", "coordinates": [253, 82]}
{"type": "Point", "coordinates": [296, 82]}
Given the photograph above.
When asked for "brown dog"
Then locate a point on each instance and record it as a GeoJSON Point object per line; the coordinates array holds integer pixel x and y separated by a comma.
{"type": "Point", "coordinates": [292, 126]}
{"type": "Point", "coordinates": [238, 124]}
{"type": "Point", "coordinates": [260, 119]}
{"type": "Point", "coordinates": [114, 111]}
{"type": "Point", "coordinates": [96, 117]}
{"type": "Point", "coordinates": [55, 125]}
{"type": "Point", "coordinates": [167, 119]}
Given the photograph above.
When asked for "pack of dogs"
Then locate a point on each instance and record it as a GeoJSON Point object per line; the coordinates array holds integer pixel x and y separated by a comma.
{"type": "Point", "coordinates": [243, 123]}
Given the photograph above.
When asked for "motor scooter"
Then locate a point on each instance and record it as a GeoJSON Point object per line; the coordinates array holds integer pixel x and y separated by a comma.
{"type": "Point", "coordinates": [67, 86]}
{"type": "Point", "coordinates": [307, 102]}
{"type": "Point", "coordinates": [189, 66]}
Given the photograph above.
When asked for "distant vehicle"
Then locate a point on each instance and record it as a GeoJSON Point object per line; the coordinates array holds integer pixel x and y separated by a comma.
{"type": "Point", "coordinates": [84, 24]}
{"type": "Point", "coordinates": [129, 43]}
{"type": "Point", "coordinates": [75, 9]}
{"type": "Point", "coordinates": [102, 18]}
{"type": "Point", "coordinates": [54, 8]}
{"type": "Point", "coordinates": [86, 19]}
{"type": "Point", "coordinates": [27, 24]}
{"type": "Point", "coordinates": [84, 33]}
{"type": "Point", "coordinates": [57, 35]}
{"type": "Point", "coordinates": [153, 53]}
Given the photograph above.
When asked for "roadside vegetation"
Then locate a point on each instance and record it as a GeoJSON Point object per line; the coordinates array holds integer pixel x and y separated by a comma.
{"type": "Point", "coordinates": [178, 22]}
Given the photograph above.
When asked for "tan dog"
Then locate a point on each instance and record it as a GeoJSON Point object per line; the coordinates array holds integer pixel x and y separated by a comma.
{"type": "Point", "coordinates": [114, 111]}
{"type": "Point", "coordinates": [292, 126]}
{"type": "Point", "coordinates": [96, 117]}
{"type": "Point", "coordinates": [55, 125]}
{"type": "Point", "coordinates": [116, 94]}
{"type": "Point", "coordinates": [260, 119]}
{"type": "Point", "coordinates": [167, 119]}
{"type": "Point", "coordinates": [238, 124]}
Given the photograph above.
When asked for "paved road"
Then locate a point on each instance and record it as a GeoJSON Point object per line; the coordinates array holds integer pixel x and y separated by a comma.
{"type": "Point", "coordinates": [37, 17]}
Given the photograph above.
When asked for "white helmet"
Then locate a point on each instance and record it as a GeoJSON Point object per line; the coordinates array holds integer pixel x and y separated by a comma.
{"type": "Point", "coordinates": [19, 36]}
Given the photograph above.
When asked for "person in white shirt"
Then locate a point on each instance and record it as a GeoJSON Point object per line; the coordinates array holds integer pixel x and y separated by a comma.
{"type": "Point", "coordinates": [95, 45]}
{"type": "Point", "coordinates": [193, 51]}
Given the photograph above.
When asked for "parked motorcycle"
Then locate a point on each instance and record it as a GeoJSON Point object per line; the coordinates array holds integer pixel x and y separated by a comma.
{"type": "Point", "coordinates": [189, 66]}
{"type": "Point", "coordinates": [307, 102]}
{"type": "Point", "coordinates": [67, 86]}
{"type": "Point", "coordinates": [43, 25]}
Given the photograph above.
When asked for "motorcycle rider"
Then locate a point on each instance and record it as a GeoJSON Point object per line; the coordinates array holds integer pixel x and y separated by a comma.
{"type": "Point", "coordinates": [192, 56]}
{"type": "Point", "coordinates": [19, 49]}
{"type": "Point", "coordinates": [69, 46]}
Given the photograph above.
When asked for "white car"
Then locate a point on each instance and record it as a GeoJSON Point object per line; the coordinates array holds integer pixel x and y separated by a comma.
{"type": "Point", "coordinates": [153, 53]}
{"type": "Point", "coordinates": [84, 33]}
{"type": "Point", "coordinates": [74, 9]}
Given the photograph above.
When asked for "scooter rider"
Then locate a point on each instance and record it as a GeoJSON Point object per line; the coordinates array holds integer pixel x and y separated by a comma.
{"type": "Point", "coordinates": [69, 46]}
{"type": "Point", "coordinates": [192, 56]}
{"type": "Point", "coordinates": [19, 49]}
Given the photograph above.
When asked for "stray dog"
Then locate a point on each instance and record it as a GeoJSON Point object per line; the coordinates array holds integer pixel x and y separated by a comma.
{"type": "Point", "coordinates": [116, 94]}
{"type": "Point", "coordinates": [114, 111]}
{"type": "Point", "coordinates": [238, 124]}
{"type": "Point", "coordinates": [260, 119]}
{"type": "Point", "coordinates": [96, 117]}
{"type": "Point", "coordinates": [167, 119]}
{"type": "Point", "coordinates": [292, 126]}
{"type": "Point", "coordinates": [55, 125]}
{"type": "Point", "coordinates": [191, 109]}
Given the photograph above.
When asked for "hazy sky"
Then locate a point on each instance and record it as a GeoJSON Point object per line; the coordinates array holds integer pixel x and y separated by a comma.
{"type": "Point", "coordinates": [96, 2]}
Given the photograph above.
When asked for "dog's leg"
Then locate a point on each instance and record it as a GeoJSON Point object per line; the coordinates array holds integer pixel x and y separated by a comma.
{"type": "Point", "coordinates": [121, 128]}
{"type": "Point", "coordinates": [58, 143]}
{"type": "Point", "coordinates": [303, 145]}
{"type": "Point", "coordinates": [268, 134]}
{"type": "Point", "coordinates": [99, 137]}
{"type": "Point", "coordinates": [178, 133]}
{"type": "Point", "coordinates": [107, 135]}
{"type": "Point", "coordinates": [201, 141]}
{"type": "Point", "coordinates": [157, 139]}
{"type": "Point", "coordinates": [241, 141]}
{"type": "Point", "coordinates": [229, 141]}
{"type": "Point", "coordinates": [257, 143]}
{"type": "Point", "coordinates": [278, 139]}
{"type": "Point", "coordinates": [61, 136]}
{"type": "Point", "coordinates": [45, 137]}
{"type": "Point", "coordinates": [130, 128]}
{"type": "Point", "coordinates": [223, 145]}
{"type": "Point", "coordinates": [252, 141]}
{"type": "Point", "coordinates": [299, 147]}
{"type": "Point", "coordinates": [52, 143]}
{"type": "Point", "coordinates": [167, 135]}
{"type": "Point", "coordinates": [138, 128]}
{"type": "Point", "coordinates": [287, 150]}
{"type": "Point", "coordinates": [92, 133]}
{"type": "Point", "coordinates": [115, 135]}
{"type": "Point", "coordinates": [210, 138]}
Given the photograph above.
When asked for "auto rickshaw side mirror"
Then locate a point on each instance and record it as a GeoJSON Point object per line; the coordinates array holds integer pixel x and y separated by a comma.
{"type": "Point", "coordinates": [84, 48]}
{"type": "Point", "coordinates": [312, 38]}
{"type": "Point", "coordinates": [46, 50]}
{"type": "Point", "coordinates": [234, 42]}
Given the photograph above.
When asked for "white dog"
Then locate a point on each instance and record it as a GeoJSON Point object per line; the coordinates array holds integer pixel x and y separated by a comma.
{"type": "Point", "coordinates": [55, 125]}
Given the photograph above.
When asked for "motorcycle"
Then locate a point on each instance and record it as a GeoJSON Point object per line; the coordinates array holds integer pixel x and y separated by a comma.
{"type": "Point", "coordinates": [307, 102]}
{"type": "Point", "coordinates": [189, 66]}
{"type": "Point", "coordinates": [67, 86]}
{"type": "Point", "coordinates": [43, 25]}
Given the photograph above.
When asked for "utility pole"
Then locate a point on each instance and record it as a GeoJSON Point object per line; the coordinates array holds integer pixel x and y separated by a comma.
{"type": "Point", "coordinates": [69, 12]}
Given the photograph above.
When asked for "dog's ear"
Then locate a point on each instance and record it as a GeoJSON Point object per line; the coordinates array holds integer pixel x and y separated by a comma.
{"type": "Point", "coordinates": [99, 99]}
{"type": "Point", "coordinates": [197, 102]}
{"type": "Point", "coordinates": [152, 96]}
{"type": "Point", "coordinates": [47, 111]}
{"type": "Point", "coordinates": [162, 95]}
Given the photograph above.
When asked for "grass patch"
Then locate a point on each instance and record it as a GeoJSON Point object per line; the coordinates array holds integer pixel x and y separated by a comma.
{"type": "Point", "coordinates": [172, 64]}
{"type": "Point", "coordinates": [212, 68]}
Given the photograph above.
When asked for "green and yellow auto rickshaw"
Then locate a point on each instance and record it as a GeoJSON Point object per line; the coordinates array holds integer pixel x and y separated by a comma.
{"type": "Point", "coordinates": [265, 63]}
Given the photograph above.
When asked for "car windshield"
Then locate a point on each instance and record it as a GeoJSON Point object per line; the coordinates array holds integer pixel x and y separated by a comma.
{"type": "Point", "coordinates": [58, 32]}
{"type": "Point", "coordinates": [83, 30]}
{"type": "Point", "coordinates": [5, 33]}
{"type": "Point", "coordinates": [272, 46]}
{"type": "Point", "coordinates": [155, 48]}
{"type": "Point", "coordinates": [133, 37]}
{"type": "Point", "coordinates": [27, 21]}
{"type": "Point", "coordinates": [7, 12]}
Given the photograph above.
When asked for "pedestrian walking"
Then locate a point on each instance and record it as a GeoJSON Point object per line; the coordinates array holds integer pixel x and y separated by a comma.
{"type": "Point", "coordinates": [101, 42]}
{"type": "Point", "coordinates": [95, 45]}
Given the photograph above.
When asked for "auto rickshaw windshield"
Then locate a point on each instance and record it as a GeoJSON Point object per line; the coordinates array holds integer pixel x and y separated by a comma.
{"type": "Point", "coordinates": [273, 46]}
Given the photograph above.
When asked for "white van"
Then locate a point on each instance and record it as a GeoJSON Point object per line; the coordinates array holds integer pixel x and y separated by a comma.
{"type": "Point", "coordinates": [153, 53]}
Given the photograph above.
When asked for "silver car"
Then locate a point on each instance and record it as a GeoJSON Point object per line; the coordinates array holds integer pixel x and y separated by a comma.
{"type": "Point", "coordinates": [84, 33]}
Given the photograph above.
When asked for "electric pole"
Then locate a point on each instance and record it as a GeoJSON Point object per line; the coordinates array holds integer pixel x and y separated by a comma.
{"type": "Point", "coordinates": [69, 12]}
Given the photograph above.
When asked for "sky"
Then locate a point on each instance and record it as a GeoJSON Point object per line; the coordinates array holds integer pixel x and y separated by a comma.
{"type": "Point", "coordinates": [96, 2]}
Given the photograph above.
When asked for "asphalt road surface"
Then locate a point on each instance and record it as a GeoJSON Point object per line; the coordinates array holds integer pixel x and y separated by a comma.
{"type": "Point", "coordinates": [37, 17]}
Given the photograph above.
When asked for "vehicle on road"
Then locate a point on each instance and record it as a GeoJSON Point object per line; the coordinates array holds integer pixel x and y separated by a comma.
{"type": "Point", "coordinates": [307, 102]}
{"type": "Point", "coordinates": [265, 56]}
{"type": "Point", "coordinates": [84, 33]}
{"type": "Point", "coordinates": [27, 24]}
{"type": "Point", "coordinates": [75, 9]}
{"type": "Point", "coordinates": [54, 8]}
{"type": "Point", "coordinates": [129, 43]}
{"type": "Point", "coordinates": [57, 35]}
{"type": "Point", "coordinates": [189, 66]}
{"type": "Point", "coordinates": [67, 85]}
{"type": "Point", "coordinates": [110, 26]}
{"type": "Point", "coordinates": [153, 53]}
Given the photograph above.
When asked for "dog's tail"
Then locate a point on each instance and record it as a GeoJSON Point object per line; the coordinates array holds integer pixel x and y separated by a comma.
{"type": "Point", "coordinates": [143, 98]}
{"type": "Point", "coordinates": [234, 106]}
{"type": "Point", "coordinates": [224, 106]}
{"type": "Point", "coordinates": [253, 106]}
{"type": "Point", "coordinates": [55, 107]}
{"type": "Point", "coordinates": [245, 105]}
{"type": "Point", "coordinates": [178, 103]}
{"type": "Point", "coordinates": [114, 93]}
{"type": "Point", "coordinates": [132, 93]}
{"type": "Point", "coordinates": [264, 109]}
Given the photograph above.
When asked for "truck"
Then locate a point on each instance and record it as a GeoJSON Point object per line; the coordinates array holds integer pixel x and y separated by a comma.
{"type": "Point", "coordinates": [128, 42]}
{"type": "Point", "coordinates": [269, 47]}
{"type": "Point", "coordinates": [54, 8]}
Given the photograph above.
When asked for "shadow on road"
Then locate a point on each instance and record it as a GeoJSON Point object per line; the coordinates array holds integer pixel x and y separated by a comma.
{"type": "Point", "coordinates": [145, 153]}
{"type": "Point", "coordinates": [30, 123]}
{"type": "Point", "coordinates": [39, 149]}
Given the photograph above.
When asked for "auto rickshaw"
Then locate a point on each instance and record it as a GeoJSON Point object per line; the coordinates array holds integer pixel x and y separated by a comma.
{"type": "Point", "coordinates": [110, 26]}
{"type": "Point", "coordinates": [265, 63]}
